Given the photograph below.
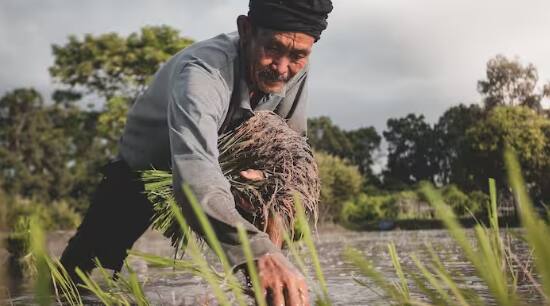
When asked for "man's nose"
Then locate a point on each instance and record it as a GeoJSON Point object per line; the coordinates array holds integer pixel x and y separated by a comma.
{"type": "Point", "coordinates": [281, 65]}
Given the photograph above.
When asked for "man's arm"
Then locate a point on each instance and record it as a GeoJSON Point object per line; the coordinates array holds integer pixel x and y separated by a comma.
{"type": "Point", "coordinates": [195, 108]}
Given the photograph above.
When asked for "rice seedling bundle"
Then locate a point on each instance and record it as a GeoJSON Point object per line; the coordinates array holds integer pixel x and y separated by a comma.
{"type": "Point", "coordinates": [266, 143]}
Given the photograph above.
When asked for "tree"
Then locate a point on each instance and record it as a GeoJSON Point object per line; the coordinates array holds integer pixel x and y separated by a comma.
{"type": "Point", "coordinates": [411, 146]}
{"type": "Point", "coordinates": [33, 149]}
{"type": "Point", "coordinates": [519, 128]}
{"type": "Point", "coordinates": [364, 143]}
{"type": "Point", "coordinates": [109, 65]}
{"type": "Point", "coordinates": [511, 83]}
{"type": "Point", "coordinates": [111, 124]}
{"type": "Point", "coordinates": [325, 136]}
{"type": "Point", "coordinates": [357, 146]}
{"type": "Point", "coordinates": [454, 153]}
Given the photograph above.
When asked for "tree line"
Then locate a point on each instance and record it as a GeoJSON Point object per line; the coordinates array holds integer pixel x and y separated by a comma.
{"type": "Point", "coordinates": [51, 149]}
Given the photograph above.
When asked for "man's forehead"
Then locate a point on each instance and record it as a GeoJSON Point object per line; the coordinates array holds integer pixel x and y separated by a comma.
{"type": "Point", "coordinates": [294, 40]}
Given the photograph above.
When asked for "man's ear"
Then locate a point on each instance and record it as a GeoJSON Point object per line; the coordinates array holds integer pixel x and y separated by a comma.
{"type": "Point", "coordinates": [245, 28]}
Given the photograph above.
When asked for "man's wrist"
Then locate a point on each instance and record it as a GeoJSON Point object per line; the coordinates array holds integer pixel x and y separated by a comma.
{"type": "Point", "coordinates": [259, 246]}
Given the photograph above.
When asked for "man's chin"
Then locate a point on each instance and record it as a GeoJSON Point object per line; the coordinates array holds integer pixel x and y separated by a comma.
{"type": "Point", "coordinates": [272, 88]}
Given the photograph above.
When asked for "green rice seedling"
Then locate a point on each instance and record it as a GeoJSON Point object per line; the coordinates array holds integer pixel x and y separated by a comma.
{"type": "Point", "coordinates": [403, 287]}
{"type": "Point", "coordinates": [120, 291]}
{"type": "Point", "coordinates": [197, 256]}
{"type": "Point", "coordinates": [487, 254]}
{"type": "Point", "coordinates": [64, 288]}
{"type": "Point", "coordinates": [366, 268]}
{"type": "Point", "coordinates": [39, 253]}
{"type": "Point", "coordinates": [21, 260]}
{"type": "Point", "coordinates": [251, 265]}
{"type": "Point", "coordinates": [293, 249]}
{"type": "Point", "coordinates": [537, 230]}
{"type": "Point", "coordinates": [486, 259]}
{"type": "Point", "coordinates": [307, 238]}
{"type": "Point", "coordinates": [215, 244]}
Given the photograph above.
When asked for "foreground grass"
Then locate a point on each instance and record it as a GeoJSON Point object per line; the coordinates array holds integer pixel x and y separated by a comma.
{"type": "Point", "coordinates": [431, 283]}
{"type": "Point", "coordinates": [489, 254]}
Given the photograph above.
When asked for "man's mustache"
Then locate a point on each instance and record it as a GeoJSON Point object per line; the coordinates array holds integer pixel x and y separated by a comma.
{"type": "Point", "coordinates": [272, 76]}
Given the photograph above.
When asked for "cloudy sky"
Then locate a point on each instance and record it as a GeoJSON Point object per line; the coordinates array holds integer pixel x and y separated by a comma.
{"type": "Point", "coordinates": [378, 59]}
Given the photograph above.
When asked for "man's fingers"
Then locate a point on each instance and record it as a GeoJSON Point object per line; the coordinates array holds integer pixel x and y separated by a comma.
{"type": "Point", "coordinates": [292, 297]}
{"type": "Point", "coordinates": [277, 295]}
{"type": "Point", "coordinates": [303, 294]}
{"type": "Point", "coordinates": [252, 175]}
{"type": "Point", "coordinates": [296, 293]}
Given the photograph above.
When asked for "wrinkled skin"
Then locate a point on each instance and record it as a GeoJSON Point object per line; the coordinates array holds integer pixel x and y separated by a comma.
{"type": "Point", "coordinates": [283, 284]}
{"type": "Point", "coordinates": [273, 58]}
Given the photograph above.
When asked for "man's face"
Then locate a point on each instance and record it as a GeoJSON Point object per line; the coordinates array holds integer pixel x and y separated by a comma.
{"type": "Point", "coordinates": [275, 57]}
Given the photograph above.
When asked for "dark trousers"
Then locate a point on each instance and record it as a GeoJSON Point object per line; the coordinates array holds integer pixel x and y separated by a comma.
{"type": "Point", "coordinates": [118, 215]}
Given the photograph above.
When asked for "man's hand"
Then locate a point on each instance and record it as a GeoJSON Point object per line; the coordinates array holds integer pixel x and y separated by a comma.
{"type": "Point", "coordinates": [283, 284]}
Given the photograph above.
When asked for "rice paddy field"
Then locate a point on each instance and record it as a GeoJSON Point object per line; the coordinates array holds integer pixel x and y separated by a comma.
{"type": "Point", "coordinates": [164, 287]}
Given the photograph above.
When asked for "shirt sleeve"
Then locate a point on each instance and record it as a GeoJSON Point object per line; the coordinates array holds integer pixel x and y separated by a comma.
{"type": "Point", "coordinates": [195, 111]}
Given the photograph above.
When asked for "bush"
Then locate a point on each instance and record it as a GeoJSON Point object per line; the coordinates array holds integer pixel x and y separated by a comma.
{"type": "Point", "coordinates": [410, 204]}
{"type": "Point", "coordinates": [54, 216]}
{"type": "Point", "coordinates": [365, 208]}
{"type": "Point", "coordinates": [462, 203]}
{"type": "Point", "coordinates": [340, 182]}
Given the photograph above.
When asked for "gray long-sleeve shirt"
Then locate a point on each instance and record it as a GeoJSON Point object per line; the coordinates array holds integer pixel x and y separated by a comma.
{"type": "Point", "coordinates": [175, 125]}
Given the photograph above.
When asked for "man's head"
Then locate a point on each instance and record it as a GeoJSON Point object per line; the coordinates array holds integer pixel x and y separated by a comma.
{"type": "Point", "coordinates": [277, 37]}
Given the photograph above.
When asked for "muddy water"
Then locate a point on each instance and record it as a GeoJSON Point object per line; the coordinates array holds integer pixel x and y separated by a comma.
{"type": "Point", "coordinates": [164, 287]}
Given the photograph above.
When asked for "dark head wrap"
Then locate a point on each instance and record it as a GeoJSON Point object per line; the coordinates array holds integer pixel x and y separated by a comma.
{"type": "Point", "coordinates": [306, 16]}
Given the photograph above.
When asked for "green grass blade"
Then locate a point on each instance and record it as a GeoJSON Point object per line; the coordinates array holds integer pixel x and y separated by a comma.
{"type": "Point", "coordinates": [215, 244]}
{"type": "Point", "coordinates": [434, 282]}
{"type": "Point", "coordinates": [365, 267]}
{"type": "Point", "coordinates": [308, 240]}
{"type": "Point", "coordinates": [197, 256]}
{"type": "Point", "coordinates": [93, 287]}
{"type": "Point", "coordinates": [536, 230]}
{"type": "Point", "coordinates": [62, 282]}
{"type": "Point", "coordinates": [404, 288]}
{"type": "Point", "coordinates": [38, 249]}
{"type": "Point", "coordinates": [252, 272]}
{"type": "Point", "coordinates": [291, 245]}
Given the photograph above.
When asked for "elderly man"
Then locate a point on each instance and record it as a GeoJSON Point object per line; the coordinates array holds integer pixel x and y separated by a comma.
{"type": "Point", "coordinates": [204, 90]}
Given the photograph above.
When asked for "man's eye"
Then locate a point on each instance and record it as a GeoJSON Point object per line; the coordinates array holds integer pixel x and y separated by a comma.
{"type": "Point", "coordinates": [297, 56]}
{"type": "Point", "coordinates": [272, 48]}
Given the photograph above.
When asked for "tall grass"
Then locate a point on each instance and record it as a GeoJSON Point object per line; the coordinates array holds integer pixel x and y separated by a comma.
{"type": "Point", "coordinates": [487, 252]}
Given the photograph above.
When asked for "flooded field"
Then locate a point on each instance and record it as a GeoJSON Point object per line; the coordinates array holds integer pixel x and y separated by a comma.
{"type": "Point", "coordinates": [164, 287]}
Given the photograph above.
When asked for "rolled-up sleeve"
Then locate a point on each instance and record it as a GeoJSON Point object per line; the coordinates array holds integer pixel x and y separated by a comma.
{"type": "Point", "coordinates": [198, 102]}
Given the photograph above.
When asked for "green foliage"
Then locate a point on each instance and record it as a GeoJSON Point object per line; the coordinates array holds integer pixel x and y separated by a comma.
{"type": "Point", "coordinates": [511, 83]}
{"type": "Point", "coordinates": [410, 204]}
{"type": "Point", "coordinates": [520, 128]}
{"type": "Point", "coordinates": [454, 154]}
{"type": "Point", "coordinates": [55, 215]}
{"type": "Point", "coordinates": [33, 151]}
{"type": "Point", "coordinates": [358, 146]}
{"type": "Point", "coordinates": [111, 122]}
{"type": "Point", "coordinates": [463, 204]}
{"type": "Point", "coordinates": [340, 182]}
{"type": "Point", "coordinates": [411, 146]}
{"type": "Point", "coordinates": [110, 65]}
